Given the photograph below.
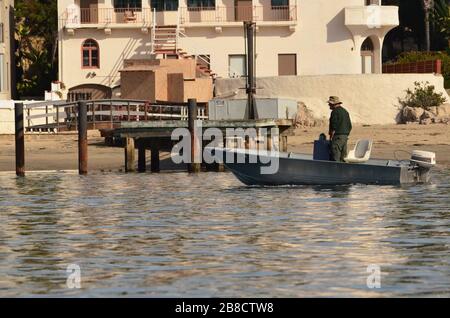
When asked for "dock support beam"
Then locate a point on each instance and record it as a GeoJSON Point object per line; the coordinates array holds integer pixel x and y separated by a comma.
{"type": "Point", "coordinates": [142, 162]}
{"type": "Point", "coordinates": [20, 140]}
{"type": "Point", "coordinates": [154, 164]}
{"type": "Point", "coordinates": [129, 155]}
{"type": "Point", "coordinates": [82, 139]}
{"type": "Point", "coordinates": [193, 167]}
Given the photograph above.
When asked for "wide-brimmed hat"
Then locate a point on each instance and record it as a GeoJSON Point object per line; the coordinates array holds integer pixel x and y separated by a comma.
{"type": "Point", "coordinates": [334, 100]}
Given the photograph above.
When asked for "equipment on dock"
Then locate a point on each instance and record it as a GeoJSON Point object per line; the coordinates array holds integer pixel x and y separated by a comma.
{"type": "Point", "coordinates": [265, 108]}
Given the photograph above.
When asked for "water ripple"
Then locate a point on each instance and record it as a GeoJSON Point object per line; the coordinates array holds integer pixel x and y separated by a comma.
{"type": "Point", "coordinates": [178, 235]}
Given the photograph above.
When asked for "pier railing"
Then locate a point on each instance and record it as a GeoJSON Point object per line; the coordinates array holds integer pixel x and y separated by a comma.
{"type": "Point", "coordinates": [101, 114]}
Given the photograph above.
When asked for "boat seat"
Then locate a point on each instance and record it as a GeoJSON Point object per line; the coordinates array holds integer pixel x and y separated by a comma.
{"type": "Point", "coordinates": [361, 153]}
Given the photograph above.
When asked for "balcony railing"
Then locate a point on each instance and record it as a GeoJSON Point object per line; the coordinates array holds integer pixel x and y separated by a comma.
{"type": "Point", "coordinates": [223, 14]}
{"type": "Point", "coordinates": [108, 16]}
{"type": "Point", "coordinates": [143, 16]}
{"type": "Point", "coordinates": [371, 16]}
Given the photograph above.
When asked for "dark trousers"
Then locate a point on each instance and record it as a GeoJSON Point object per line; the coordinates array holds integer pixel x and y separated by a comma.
{"type": "Point", "coordinates": [339, 147]}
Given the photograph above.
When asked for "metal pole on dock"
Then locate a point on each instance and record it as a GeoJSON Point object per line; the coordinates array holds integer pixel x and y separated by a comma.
{"type": "Point", "coordinates": [193, 167]}
{"type": "Point", "coordinates": [82, 139]}
{"type": "Point", "coordinates": [20, 140]}
{"type": "Point", "coordinates": [251, 87]}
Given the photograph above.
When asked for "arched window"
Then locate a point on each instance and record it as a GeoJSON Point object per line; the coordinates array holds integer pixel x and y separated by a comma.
{"type": "Point", "coordinates": [367, 56]}
{"type": "Point", "coordinates": [90, 54]}
{"type": "Point", "coordinates": [367, 45]}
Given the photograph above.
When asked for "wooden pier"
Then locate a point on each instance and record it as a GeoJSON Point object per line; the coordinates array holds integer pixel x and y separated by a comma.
{"type": "Point", "coordinates": [156, 136]}
{"type": "Point", "coordinates": [143, 126]}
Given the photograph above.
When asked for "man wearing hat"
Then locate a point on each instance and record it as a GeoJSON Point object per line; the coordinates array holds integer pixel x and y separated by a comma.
{"type": "Point", "coordinates": [340, 128]}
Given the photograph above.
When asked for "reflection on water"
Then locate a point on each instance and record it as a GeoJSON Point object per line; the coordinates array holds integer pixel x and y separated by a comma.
{"type": "Point", "coordinates": [175, 235]}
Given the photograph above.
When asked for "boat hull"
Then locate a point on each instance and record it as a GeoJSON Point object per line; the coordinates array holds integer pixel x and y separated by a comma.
{"type": "Point", "coordinates": [302, 170]}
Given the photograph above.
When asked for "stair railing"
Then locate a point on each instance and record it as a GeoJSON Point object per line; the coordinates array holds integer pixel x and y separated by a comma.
{"type": "Point", "coordinates": [181, 34]}
{"type": "Point", "coordinates": [207, 62]}
{"type": "Point", "coordinates": [153, 30]}
{"type": "Point", "coordinates": [177, 37]}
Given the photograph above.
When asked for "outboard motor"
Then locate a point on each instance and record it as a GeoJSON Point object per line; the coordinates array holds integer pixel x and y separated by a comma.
{"type": "Point", "coordinates": [423, 159]}
{"type": "Point", "coordinates": [421, 163]}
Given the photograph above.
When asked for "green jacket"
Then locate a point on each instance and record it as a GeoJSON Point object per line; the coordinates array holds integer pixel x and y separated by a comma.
{"type": "Point", "coordinates": [340, 121]}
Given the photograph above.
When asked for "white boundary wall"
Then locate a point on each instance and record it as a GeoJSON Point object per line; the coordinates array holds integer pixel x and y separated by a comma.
{"type": "Point", "coordinates": [370, 98]}
{"type": "Point", "coordinates": [7, 115]}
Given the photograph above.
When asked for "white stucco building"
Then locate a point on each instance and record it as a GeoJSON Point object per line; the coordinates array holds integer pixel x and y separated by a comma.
{"type": "Point", "coordinates": [6, 67]}
{"type": "Point", "coordinates": [294, 37]}
{"type": "Point", "coordinates": [6, 38]}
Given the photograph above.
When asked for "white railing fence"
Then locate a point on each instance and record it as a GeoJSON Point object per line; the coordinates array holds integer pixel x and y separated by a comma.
{"type": "Point", "coordinates": [54, 116]}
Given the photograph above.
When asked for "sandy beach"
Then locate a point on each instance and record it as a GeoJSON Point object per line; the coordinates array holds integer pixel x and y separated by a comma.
{"type": "Point", "coordinates": [59, 152]}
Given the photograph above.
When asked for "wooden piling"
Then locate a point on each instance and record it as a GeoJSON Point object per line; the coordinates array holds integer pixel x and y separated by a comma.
{"type": "Point", "coordinates": [219, 167]}
{"type": "Point", "coordinates": [82, 139]}
{"type": "Point", "coordinates": [111, 116]}
{"type": "Point", "coordinates": [284, 143]}
{"type": "Point", "coordinates": [20, 140]}
{"type": "Point", "coordinates": [269, 141]}
{"type": "Point", "coordinates": [142, 162]}
{"type": "Point", "coordinates": [155, 159]}
{"type": "Point", "coordinates": [57, 119]}
{"type": "Point", "coordinates": [193, 167]}
{"type": "Point", "coordinates": [129, 155]}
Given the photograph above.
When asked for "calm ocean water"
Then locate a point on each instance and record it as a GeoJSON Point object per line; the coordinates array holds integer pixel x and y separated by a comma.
{"type": "Point", "coordinates": [177, 235]}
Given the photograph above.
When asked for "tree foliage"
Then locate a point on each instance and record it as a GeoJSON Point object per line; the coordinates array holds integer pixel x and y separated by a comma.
{"type": "Point", "coordinates": [36, 45]}
{"type": "Point", "coordinates": [441, 17]}
{"type": "Point", "coordinates": [412, 32]}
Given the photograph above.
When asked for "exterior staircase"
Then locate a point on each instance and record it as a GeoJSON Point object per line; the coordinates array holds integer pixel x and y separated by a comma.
{"type": "Point", "coordinates": [165, 40]}
{"type": "Point", "coordinates": [165, 45]}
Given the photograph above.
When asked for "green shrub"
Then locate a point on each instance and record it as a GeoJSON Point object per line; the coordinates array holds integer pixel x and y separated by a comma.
{"type": "Point", "coordinates": [411, 57]}
{"type": "Point", "coordinates": [423, 96]}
